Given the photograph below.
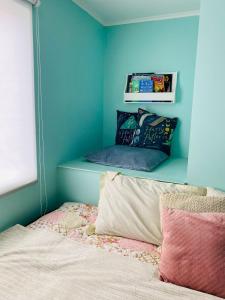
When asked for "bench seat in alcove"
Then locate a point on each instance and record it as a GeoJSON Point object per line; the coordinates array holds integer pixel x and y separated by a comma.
{"type": "Point", "coordinates": [78, 180]}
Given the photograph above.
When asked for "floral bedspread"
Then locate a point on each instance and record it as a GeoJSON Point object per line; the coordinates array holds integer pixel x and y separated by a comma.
{"type": "Point", "coordinates": [76, 221]}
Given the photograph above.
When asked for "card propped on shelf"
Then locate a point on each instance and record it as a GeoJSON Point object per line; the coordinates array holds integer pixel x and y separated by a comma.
{"type": "Point", "coordinates": [154, 87]}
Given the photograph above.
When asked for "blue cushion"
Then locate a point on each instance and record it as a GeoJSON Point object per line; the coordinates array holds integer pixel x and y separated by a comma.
{"type": "Point", "coordinates": [140, 159]}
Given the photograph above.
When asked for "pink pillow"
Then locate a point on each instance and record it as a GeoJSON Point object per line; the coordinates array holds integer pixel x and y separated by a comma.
{"type": "Point", "coordinates": [193, 250]}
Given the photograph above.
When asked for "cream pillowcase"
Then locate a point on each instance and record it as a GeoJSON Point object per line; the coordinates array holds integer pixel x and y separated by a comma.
{"type": "Point", "coordinates": [193, 203]}
{"type": "Point", "coordinates": [129, 207]}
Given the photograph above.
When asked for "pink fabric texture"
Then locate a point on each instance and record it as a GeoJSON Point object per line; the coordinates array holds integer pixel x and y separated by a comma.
{"type": "Point", "coordinates": [135, 245]}
{"type": "Point", "coordinates": [193, 250]}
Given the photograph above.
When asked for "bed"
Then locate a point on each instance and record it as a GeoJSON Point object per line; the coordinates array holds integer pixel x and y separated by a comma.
{"type": "Point", "coordinates": [59, 257]}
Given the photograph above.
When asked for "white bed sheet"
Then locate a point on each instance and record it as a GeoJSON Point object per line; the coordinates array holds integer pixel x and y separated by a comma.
{"type": "Point", "coordinates": [43, 265]}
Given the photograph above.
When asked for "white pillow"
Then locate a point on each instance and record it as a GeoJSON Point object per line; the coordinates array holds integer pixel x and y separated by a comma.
{"type": "Point", "coordinates": [129, 207]}
{"type": "Point", "coordinates": [211, 192]}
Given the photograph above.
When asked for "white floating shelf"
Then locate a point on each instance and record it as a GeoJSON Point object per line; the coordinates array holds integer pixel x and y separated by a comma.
{"type": "Point", "coordinates": [149, 97]}
{"type": "Point", "coordinates": [153, 97]}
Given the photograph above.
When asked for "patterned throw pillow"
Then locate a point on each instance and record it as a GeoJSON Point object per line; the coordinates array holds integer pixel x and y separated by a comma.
{"type": "Point", "coordinates": [193, 253]}
{"type": "Point", "coordinates": [192, 202]}
{"type": "Point", "coordinates": [126, 124]}
{"type": "Point", "coordinates": [154, 132]}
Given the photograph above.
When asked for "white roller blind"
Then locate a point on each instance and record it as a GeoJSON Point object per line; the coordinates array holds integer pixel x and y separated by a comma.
{"type": "Point", "coordinates": [18, 164]}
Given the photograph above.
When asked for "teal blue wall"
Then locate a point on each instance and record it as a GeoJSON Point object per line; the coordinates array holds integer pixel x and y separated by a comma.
{"type": "Point", "coordinates": [76, 52]}
{"type": "Point", "coordinates": [168, 45]}
{"type": "Point", "coordinates": [207, 144]}
{"type": "Point", "coordinates": [72, 46]}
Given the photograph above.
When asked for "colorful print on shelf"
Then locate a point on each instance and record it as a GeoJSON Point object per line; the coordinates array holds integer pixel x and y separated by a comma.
{"type": "Point", "coordinates": [158, 83]}
{"type": "Point", "coordinates": [150, 83]}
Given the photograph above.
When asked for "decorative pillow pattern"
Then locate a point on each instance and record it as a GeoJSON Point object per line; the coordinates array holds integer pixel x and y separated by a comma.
{"type": "Point", "coordinates": [126, 124]}
{"type": "Point", "coordinates": [193, 203]}
{"type": "Point", "coordinates": [129, 207]}
{"type": "Point", "coordinates": [85, 234]}
{"type": "Point", "coordinates": [141, 112]}
{"type": "Point", "coordinates": [193, 253]}
{"type": "Point", "coordinates": [154, 132]}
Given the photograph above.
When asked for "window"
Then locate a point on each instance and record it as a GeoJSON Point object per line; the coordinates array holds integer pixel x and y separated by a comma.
{"type": "Point", "coordinates": [18, 165]}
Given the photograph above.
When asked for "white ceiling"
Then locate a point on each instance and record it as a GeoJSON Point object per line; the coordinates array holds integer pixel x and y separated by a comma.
{"type": "Point", "coordinates": [114, 12]}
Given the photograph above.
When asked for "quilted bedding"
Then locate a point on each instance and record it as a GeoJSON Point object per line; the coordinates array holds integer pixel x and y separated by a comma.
{"type": "Point", "coordinates": [41, 264]}
{"type": "Point", "coordinates": [62, 221]}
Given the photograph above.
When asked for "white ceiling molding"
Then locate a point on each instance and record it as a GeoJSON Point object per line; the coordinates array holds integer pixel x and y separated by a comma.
{"type": "Point", "coordinates": [157, 18]}
{"type": "Point", "coordinates": [183, 14]}
{"type": "Point", "coordinates": [90, 12]}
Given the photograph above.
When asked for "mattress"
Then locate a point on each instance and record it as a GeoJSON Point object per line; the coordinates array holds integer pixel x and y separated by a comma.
{"type": "Point", "coordinates": [62, 222]}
